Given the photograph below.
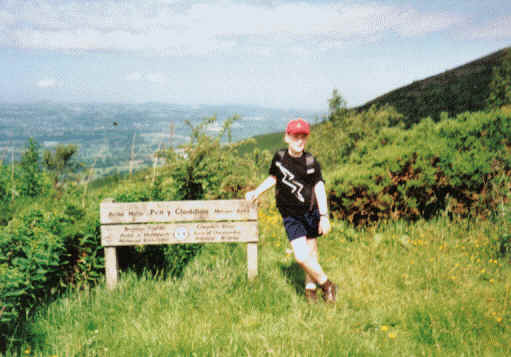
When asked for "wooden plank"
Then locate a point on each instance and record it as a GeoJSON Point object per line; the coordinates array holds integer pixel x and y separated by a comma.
{"type": "Point", "coordinates": [111, 267]}
{"type": "Point", "coordinates": [177, 211]}
{"type": "Point", "coordinates": [252, 260]}
{"type": "Point", "coordinates": [177, 233]}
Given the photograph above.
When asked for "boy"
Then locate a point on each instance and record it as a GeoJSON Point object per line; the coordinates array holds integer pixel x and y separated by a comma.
{"type": "Point", "coordinates": [301, 200]}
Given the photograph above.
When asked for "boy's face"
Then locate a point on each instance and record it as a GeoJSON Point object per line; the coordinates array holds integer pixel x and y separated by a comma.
{"type": "Point", "coordinates": [296, 142]}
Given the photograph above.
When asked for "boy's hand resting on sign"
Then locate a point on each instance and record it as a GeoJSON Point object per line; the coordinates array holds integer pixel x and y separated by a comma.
{"type": "Point", "coordinates": [251, 196]}
{"type": "Point", "coordinates": [324, 225]}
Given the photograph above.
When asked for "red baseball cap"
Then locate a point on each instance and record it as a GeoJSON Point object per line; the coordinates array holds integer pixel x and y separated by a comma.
{"type": "Point", "coordinates": [298, 126]}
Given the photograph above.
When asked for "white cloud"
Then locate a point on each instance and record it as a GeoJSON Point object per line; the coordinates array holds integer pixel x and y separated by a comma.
{"type": "Point", "coordinates": [158, 78]}
{"type": "Point", "coordinates": [135, 76]}
{"type": "Point", "coordinates": [201, 28]}
{"type": "Point", "coordinates": [499, 29]}
{"type": "Point", "coordinates": [47, 83]}
{"type": "Point", "coordinates": [155, 77]}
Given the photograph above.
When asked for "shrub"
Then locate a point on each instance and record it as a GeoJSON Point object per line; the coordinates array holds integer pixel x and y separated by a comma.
{"type": "Point", "coordinates": [43, 251]}
{"type": "Point", "coordinates": [333, 141]}
{"type": "Point", "coordinates": [30, 182]}
{"type": "Point", "coordinates": [454, 164]}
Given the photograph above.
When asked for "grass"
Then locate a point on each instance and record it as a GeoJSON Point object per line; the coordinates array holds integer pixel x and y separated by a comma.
{"type": "Point", "coordinates": [271, 142]}
{"type": "Point", "coordinates": [430, 288]}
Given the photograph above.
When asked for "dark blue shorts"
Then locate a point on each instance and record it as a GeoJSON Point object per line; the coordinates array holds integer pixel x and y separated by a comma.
{"type": "Point", "coordinates": [302, 226]}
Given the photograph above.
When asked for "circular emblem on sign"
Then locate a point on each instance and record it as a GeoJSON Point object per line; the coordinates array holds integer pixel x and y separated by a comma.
{"type": "Point", "coordinates": [180, 233]}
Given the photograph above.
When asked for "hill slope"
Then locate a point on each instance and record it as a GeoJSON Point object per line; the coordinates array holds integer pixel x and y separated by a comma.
{"type": "Point", "coordinates": [464, 88]}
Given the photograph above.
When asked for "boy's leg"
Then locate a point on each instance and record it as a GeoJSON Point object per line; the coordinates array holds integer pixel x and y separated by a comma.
{"type": "Point", "coordinates": [312, 243]}
{"type": "Point", "coordinates": [305, 258]}
{"type": "Point", "coordinates": [311, 266]}
{"type": "Point", "coordinates": [310, 285]}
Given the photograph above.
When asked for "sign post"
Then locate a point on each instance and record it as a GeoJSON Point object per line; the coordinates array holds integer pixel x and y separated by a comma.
{"type": "Point", "coordinates": [177, 222]}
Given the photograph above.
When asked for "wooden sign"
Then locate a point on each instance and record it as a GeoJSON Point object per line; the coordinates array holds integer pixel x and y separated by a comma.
{"type": "Point", "coordinates": [179, 233]}
{"type": "Point", "coordinates": [177, 222]}
{"type": "Point", "coordinates": [177, 211]}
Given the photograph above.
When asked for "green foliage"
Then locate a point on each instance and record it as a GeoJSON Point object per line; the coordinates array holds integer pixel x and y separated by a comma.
{"type": "Point", "coordinates": [333, 141]}
{"type": "Point", "coordinates": [337, 108]}
{"type": "Point", "coordinates": [4, 184]}
{"type": "Point", "coordinates": [500, 85]}
{"type": "Point", "coordinates": [31, 175]}
{"type": "Point", "coordinates": [205, 168]}
{"type": "Point", "coordinates": [461, 164]}
{"type": "Point", "coordinates": [270, 142]}
{"type": "Point", "coordinates": [42, 252]}
{"type": "Point", "coordinates": [59, 162]}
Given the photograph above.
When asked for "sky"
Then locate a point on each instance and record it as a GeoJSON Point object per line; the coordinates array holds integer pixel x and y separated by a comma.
{"type": "Point", "coordinates": [280, 54]}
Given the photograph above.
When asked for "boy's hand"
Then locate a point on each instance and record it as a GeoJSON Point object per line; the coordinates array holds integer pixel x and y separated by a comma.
{"type": "Point", "coordinates": [251, 196]}
{"type": "Point", "coordinates": [324, 225]}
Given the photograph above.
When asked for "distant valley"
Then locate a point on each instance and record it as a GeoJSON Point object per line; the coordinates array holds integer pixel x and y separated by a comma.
{"type": "Point", "coordinates": [105, 133]}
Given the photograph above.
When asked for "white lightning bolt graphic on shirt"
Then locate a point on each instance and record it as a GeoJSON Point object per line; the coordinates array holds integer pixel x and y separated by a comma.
{"type": "Point", "coordinates": [296, 187]}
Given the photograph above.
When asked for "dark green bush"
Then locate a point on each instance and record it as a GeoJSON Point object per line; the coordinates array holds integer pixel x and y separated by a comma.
{"type": "Point", "coordinates": [333, 142]}
{"type": "Point", "coordinates": [461, 164]}
{"type": "Point", "coordinates": [43, 251]}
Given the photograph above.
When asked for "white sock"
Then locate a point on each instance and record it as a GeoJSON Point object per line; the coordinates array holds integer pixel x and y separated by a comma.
{"type": "Point", "coordinates": [323, 280]}
{"type": "Point", "coordinates": [310, 286]}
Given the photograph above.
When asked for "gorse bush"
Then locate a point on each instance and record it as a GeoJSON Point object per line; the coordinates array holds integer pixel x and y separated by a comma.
{"type": "Point", "coordinates": [461, 164]}
{"type": "Point", "coordinates": [48, 241]}
{"type": "Point", "coordinates": [500, 85]}
{"type": "Point", "coordinates": [42, 252]}
{"type": "Point", "coordinates": [31, 173]}
{"type": "Point", "coordinates": [334, 140]}
{"type": "Point", "coordinates": [206, 168]}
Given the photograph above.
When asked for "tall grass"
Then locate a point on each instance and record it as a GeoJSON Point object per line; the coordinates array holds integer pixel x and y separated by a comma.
{"type": "Point", "coordinates": [429, 288]}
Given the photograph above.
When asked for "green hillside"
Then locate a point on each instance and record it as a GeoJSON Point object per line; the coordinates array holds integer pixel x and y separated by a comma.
{"type": "Point", "coordinates": [464, 88]}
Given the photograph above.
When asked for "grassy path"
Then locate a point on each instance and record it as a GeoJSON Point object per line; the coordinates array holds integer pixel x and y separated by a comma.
{"type": "Point", "coordinates": [430, 288]}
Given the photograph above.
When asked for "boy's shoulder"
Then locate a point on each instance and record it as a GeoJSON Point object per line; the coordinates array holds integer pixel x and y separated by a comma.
{"type": "Point", "coordinates": [309, 158]}
{"type": "Point", "coordinates": [281, 153]}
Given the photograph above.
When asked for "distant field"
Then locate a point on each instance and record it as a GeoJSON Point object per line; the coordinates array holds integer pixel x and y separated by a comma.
{"type": "Point", "coordinates": [105, 133]}
{"type": "Point", "coordinates": [272, 142]}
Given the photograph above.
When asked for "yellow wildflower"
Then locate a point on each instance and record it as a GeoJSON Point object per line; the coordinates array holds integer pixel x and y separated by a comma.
{"type": "Point", "coordinates": [384, 328]}
{"type": "Point", "coordinates": [392, 335]}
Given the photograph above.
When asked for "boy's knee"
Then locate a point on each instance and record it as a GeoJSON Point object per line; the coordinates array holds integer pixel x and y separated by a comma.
{"type": "Point", "coordinates": [301, 250]}
{"type": "Point", "coordinates": [301, 256]}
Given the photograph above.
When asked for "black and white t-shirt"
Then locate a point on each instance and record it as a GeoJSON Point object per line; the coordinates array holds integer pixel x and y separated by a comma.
{"type": "Point", "coordinates": [295, 183]}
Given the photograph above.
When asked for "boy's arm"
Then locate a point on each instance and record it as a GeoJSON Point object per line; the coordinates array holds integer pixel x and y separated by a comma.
{"type": "Point", "coordinates": [268, 183]}
{"type": "Point", "coordinates": [324, 223]}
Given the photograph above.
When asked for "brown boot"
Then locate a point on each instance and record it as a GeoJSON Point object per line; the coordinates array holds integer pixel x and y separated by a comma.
{"type": "Point", "coordinates": [311, 296]}
{"type": "Point", "coordinates": [329, 292]}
